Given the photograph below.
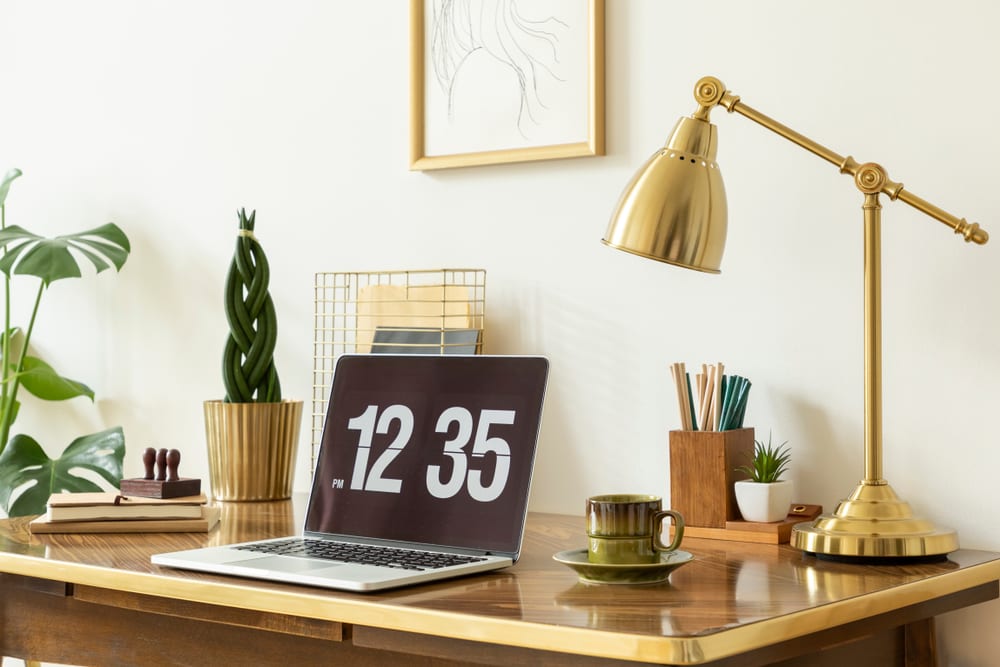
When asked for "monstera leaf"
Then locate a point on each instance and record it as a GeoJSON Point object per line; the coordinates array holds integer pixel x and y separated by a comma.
{"type": "Point", "coordinates": [24, 462]}
{"type": "Point", "coordinates": [37, 376]}
{"type": "Point", "coordinates": [5, 184]}
{"type": "Point", "coordinates": [26, 253]}
{"type": "Point", "coordinates": [41, 380]}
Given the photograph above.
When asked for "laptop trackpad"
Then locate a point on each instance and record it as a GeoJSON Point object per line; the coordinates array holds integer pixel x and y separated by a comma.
{"type": "Point", "coordinates": [286, 564]}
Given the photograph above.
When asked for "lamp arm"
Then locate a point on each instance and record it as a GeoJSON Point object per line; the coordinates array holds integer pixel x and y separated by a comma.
{"type": "Point", "coordinates": [870, 178]}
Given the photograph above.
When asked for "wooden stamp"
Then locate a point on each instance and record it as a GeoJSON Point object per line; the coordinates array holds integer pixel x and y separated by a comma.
{"type": "Point", "coordinates": [161, 478]}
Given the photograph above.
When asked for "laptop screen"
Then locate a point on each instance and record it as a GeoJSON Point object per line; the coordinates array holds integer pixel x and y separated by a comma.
{"type": "Point", "coordinates": [436, 450]}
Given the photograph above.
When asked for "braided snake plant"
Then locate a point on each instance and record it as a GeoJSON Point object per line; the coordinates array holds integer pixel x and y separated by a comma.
{"type": "Point", "coordinates": [27, 475]}
{"type": "Point", "coordinates": [248, 371]}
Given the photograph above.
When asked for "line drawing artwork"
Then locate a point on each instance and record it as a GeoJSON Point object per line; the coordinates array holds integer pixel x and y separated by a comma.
{"type": "Point", "coordinates": [465, 30]}
{"type": "Point", "coordinates": [504, 74]}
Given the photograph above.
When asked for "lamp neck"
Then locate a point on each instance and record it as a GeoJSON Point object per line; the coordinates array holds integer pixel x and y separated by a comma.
{"type": "Point", "coordinates": [873, 339]}
{"type": "Point", "coordinates": [710, 92]}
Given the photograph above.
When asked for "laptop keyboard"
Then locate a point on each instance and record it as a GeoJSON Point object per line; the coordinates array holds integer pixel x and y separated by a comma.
{"type": "Point", "coordinates": [364, 554]}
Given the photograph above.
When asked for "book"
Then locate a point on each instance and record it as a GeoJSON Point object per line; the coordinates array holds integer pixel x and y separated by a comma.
{"type": "Point", "coordinates": [106, 506]}
{"type": "Point", "coordinates": [423, 340]}
{"type": "Point", "coordinates": [209, 517]}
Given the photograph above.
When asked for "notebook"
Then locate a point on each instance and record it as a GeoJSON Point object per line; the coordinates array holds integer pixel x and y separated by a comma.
{"type": "Point", "coordinates": [423, 473]}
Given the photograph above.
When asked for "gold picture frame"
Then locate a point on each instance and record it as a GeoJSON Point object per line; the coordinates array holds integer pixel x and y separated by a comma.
{"type": "Point", "coordinates": [496, 127]}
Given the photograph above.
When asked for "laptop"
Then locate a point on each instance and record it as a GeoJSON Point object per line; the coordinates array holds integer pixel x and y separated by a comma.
{"type": "Point", "coordinates": [423, 473]}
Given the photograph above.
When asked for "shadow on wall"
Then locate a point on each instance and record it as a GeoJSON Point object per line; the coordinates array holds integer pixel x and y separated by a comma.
{"type": "Point", "coordinates": [564, 328]}
{"type": "Point", "coordinates": [829, 469]}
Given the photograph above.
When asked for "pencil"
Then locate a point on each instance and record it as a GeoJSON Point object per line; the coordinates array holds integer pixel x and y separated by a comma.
{"type": "Point", "coordinates": [693, 423]}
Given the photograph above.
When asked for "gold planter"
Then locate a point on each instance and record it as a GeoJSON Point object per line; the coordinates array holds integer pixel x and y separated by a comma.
{"type": "Point", "coordinates": [251, 449]}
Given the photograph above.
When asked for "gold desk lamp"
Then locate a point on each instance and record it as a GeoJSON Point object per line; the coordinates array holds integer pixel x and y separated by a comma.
{"type": "Point", "coordinates": [674, 211]}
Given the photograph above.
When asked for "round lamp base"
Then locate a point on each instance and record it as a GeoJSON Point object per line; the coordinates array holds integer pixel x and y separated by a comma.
{"type": "Point", "coordinates": [873, 525]}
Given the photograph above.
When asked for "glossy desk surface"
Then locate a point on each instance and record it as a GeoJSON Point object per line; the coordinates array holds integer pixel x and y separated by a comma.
{"type": "Point", "coordinates": [734, 597]}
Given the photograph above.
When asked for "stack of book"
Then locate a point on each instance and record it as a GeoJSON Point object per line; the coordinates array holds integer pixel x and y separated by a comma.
{"type": "Point", "coordinates": [114, 513]}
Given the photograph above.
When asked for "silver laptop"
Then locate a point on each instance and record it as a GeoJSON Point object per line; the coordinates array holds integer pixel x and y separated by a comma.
{"type": "Point", "coordinates": [423, 473]}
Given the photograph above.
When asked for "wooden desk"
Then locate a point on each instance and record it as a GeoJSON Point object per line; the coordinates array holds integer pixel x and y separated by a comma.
{"type": "Point", "coordinates": [97, 600]}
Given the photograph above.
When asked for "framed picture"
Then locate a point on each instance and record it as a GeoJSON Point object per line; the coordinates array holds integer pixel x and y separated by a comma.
{"type": "Point", "coordinates": [495, 81]}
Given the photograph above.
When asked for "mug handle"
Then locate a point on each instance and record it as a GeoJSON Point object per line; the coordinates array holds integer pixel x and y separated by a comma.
{"type": "Point", "coordinates": [658, 528]}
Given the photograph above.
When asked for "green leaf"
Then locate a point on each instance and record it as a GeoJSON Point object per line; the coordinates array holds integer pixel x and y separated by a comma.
{"type": "Point", "coordinates": [26, 253]}
{"type": "Point", "coordinates": [24, 465]}
{"type": "Point", "coordinates": [5, 184]}
{"type": "Point", "coordinates": [111, 242]}
{"type": "Point", "coordinates": [16, 233]}
{"type": "Point", "coordinates": [41, 380]}
{"type": "Point", "coordinates": [14, 409]}
{"type": "Point", "coordinates": [16, 335]}
{"type": "Point", "coordinates": [110, 233]}
{"type": "Point", "coordinates": [768, 463]}
{"type": "Point", "coordinates": [9, 258]}
{"type": "Point", "coordinates": [50, 260]}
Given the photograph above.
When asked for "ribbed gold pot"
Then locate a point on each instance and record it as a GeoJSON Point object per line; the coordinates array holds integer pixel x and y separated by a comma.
{"type": "Point", "coordinates": [251, 449]}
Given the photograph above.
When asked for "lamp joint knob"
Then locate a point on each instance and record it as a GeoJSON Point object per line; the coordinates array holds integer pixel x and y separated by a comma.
{"type": "Point", "coordinates": [870, 178]}
{"type": "Point", "coordinates": [709, 92]}
{"type": "Point", "coordinates": [972, 232]}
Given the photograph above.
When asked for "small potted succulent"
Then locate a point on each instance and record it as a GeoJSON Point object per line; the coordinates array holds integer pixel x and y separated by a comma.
{"type": "Point", "coordinates": [765, 497]}
{"type": "Point", "coordinates": [252, 434]}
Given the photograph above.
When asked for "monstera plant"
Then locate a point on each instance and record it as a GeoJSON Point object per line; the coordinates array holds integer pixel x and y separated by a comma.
{"type": "Point", "coordinates": [27, 475]}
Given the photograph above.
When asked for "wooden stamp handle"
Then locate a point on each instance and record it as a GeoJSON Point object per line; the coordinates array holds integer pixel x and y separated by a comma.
{"type": "Point", "coordinates": [148, 459]}
{"type": "Point", "coordinates": [161, 465]}
{"type": "Point", "coordinates": [173, 462]}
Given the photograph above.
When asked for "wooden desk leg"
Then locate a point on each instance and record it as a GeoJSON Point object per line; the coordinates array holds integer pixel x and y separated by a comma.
{"type": "Point", "coordinates": [40, 585]}
{"type": "Point", "coordinates": [920, 642]}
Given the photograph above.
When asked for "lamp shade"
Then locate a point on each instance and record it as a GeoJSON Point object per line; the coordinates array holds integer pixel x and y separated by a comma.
{"type": "Point", "coordinates": [674, 209]}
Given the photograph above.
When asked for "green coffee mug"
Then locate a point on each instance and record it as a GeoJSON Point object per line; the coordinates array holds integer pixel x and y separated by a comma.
{"type": "Point", "coordinates": [625, 528]}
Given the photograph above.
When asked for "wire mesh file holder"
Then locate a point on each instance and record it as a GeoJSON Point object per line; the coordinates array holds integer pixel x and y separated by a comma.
{"type": "Point", "coordinates": [433, 311]}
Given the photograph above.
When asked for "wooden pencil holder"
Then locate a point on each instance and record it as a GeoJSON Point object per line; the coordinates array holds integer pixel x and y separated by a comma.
{"type": "Point", "coordinates": [702, 473]}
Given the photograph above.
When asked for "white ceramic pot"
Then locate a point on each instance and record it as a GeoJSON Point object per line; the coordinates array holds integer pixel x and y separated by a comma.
{"type": "Point", "coordinates": [763, 503]}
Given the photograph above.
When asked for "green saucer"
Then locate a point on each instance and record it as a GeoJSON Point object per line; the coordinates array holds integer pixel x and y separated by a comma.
{"type": "Point", "coordinates": [622, 573]}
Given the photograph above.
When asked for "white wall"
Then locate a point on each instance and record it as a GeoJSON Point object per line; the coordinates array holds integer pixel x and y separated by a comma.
{"type": "Point", "coordinates": [166, 116]}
